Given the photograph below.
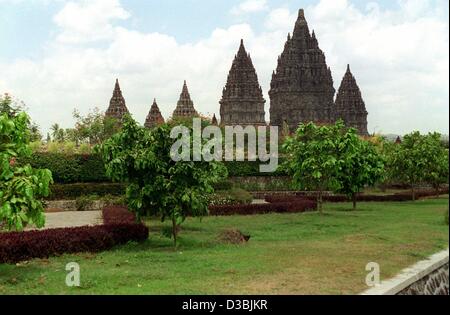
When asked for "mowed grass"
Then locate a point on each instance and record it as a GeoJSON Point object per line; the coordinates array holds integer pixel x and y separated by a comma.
{"type": "Point", "coordinates": [287, 254]}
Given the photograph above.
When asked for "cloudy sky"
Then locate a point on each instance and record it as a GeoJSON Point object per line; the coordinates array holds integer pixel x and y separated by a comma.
{"type": "Point", "coordinates": [58, 55]}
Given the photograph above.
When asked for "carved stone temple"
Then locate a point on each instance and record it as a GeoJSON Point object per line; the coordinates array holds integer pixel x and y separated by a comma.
{"type": "Point", "coordinates": [242, 100]}
{"type": "Point", "coordinates": [185, 106]}
{"type": "Point", "coordinates": [117, 106]}
{"type": "Point", "coordinates": [350, 106]}
{"type": "Point", "coordinates": [154, 117]}
{"type": "Point", "coordinates": [302, 86]}
{"type": "Point", "coordinates": [301, 91]}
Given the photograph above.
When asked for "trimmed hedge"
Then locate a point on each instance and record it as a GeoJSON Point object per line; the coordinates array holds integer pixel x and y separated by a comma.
{"type": "Point", "coordinates": [68, 169]}
{"type": "Point", "coordinates": [89, 168]}
{"type": "Point", "coordinates": [400, 197]}
{"type": "Point", "coordinates": [119, 228]}
{"type": "Point", "coordinates": [281, 207]}
{"type": "Point", "coordinates": [73, 191]}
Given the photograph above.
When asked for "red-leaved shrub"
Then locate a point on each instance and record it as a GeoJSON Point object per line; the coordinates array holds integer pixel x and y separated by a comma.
{"type": "Point", "coordinates": [119, 228]}
{"type": "Point", "coordinates": [282, 207]}
{"type": "Point", "coordinates": [405, 196]}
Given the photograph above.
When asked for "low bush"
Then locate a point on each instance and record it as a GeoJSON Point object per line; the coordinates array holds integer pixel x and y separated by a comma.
{"type": "Point", "coordinates": [281, 207]}
{"type": "Point", "coordinates": [89, 168]}
{"type": "Point", "coordinates": [73, 191]}
{"type": "Point", "coordinates": [69, 168]}
{"type": "Point", "coordinates": [367, 198]}
{"type": "Point", "coordinates": [119, 228]}
{"type": "Point", "coordinates": [230, 197]}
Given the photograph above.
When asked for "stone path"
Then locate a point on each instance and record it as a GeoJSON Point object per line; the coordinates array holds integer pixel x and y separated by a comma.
{"type": "Point", "coordinates": [72, 219]}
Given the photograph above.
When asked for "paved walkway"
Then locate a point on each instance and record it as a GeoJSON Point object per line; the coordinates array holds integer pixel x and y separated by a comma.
{"type": "Point", "coordinates": [72, 219]}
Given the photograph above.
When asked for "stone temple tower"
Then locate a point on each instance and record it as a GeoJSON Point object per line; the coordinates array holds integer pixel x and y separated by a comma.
{"type": "Point", "coordinates": [350, 106]}
{"type": "Point", "coordinates": [154, 117]}
{"type": "Point", "coordinates": [117, 107]}
{"type": "Point", "coordinates": [242, 98]}
{"type": "Point", "coordinates": [302, 86]}
{"type": "Point", "coordinates": [185, 106]}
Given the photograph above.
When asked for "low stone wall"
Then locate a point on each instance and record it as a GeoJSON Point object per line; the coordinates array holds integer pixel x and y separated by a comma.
{"type": "Point", "coordinates": [71, 205]}
{"type": "Point", "coordinates": [427, 277]}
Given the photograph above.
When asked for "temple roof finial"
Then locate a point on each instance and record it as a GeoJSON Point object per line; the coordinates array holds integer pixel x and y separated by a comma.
{"type": "Point", "coordinates": [301, 14]}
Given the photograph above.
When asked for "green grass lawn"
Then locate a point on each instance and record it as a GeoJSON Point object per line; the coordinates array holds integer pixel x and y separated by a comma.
{"type": "Point", "coordinates": [287, 254]}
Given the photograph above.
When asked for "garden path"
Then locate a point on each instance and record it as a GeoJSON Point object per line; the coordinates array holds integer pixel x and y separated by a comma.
{"type": "Point", "coordinates": [71, 219]}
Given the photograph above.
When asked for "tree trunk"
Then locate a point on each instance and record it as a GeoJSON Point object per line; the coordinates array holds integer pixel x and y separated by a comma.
{"type": "Point", "coordinates": [319, 201]}
{"type": "Point", "coordinates": [174, 231]}
{"type": "Point", "coordinates": [354, 201]}
{"type": "Point", "coordinates": [413, 192]}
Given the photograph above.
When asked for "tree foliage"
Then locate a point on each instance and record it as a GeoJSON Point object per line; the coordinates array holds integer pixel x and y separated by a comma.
{"type": "Point", "coordinates": [420, 159]}
{"type": "Point", "coordinates": [157, 185]}
{"type": "Point", "coordinates": [334, 158]}
{"type": "Point", "coordinates": [20, 186]}
{"type": "Point", "coordinates": [312, 157]}
{"type": "Point", "coordinates": [362, 165]}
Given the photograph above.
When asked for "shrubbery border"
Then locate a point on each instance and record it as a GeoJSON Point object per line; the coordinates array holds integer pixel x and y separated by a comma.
{"type": "Point", "coordinates": [119, 227]}
{"type": "Point", "coordinates": [294, 206]}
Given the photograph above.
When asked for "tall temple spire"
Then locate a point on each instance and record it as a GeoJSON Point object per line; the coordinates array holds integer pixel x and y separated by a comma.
{"type": "Point", "coordinates": [242, 100]}
{"type": "Point", "coordinates": [302, 86]}
{"type": "Point", "coordinates": [185, 106]}
{"type": "Point", "coordinates": [117, 106]}
{"type": "Point", "coordinates": [350, 105]}
{"type": "Point", "coordinates": [154, 117]}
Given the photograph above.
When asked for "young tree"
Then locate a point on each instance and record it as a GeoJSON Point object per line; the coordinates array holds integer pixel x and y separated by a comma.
{"type": "Point", "coordinates": [156, 184]}
{"type": "Point", "coordinates": [417, 158]}
{"type": "Point", "coordinates": [20, 186]}
{"type": "Point", "coordinates": [58, 133]}
{"type": "Point", "coordinates": [437, 156]}
{"type": "Point", "coordinates": [95, 127]}
{"type": "Point", "coordinates": [312, 157]}
{"type": "Point", "coordinates": [361, 165]}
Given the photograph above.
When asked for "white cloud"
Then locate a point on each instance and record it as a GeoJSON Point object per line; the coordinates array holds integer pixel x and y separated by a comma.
{"type": "Point", "coordinates": [87, 20]}
{"type": "Point", "coordinates": [250, 6]}
{"type": "Point", "coordinates": [399, 58]}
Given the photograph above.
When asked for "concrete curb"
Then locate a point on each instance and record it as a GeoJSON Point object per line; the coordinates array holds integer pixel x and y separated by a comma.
{"type": "Point", "coordinates": [410, 275]}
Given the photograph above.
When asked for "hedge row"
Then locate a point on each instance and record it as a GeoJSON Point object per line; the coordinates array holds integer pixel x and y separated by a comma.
{"type": "Point", "coordinates": [67, 169]}
{"type": "Point", "coordinates": [367, 198]}
{"type": "Point", "coordinates": [281, 207]}
{"type": "Point", "coordinates": [119, 228]}
{"type": "Point", "coordinates": [73, 191]}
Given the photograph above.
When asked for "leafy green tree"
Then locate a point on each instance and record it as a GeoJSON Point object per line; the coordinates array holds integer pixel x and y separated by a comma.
{"type": "Point", "coordinates": [419, 159]}
{"type": "Point", "coordinates": [20, 186]}
{"type": "Point", "coordinates": [11, 108]}
{"type": "Point", "coordinates": [312, 157]}
{"type": "Point", "coordinates": [156, 184]}
{"type": "Point", "coordinates": [362, 165]}
{"type": "Point", "coordinates": [58, 133]}
{"type": "Point", "coordinates": [436, 171]}
{"type": "Point", "coordinates": [95, 127]}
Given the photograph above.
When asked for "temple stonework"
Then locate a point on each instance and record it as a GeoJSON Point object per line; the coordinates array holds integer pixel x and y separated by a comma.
{"type": "Point", "coordinates": [117, 107]}
{"type": "Point", "coordinates": [302, 86]}
{"type": "Point", "coordinates": [350, 106]}
{"type": "Point", "coordinates": [185, 106]}
{"type": "Point", "coordinates": [242, 100]}
{"type": "Point", "coordinates": [154, 117]}
{"type": "Point", "coordinates": [301, 91]}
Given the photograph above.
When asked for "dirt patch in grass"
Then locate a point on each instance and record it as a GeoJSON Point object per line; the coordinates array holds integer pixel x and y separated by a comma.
{"type": "Point", "coordinates": [233, 236]}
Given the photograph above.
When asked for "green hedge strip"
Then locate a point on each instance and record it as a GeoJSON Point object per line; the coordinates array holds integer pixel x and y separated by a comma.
{"type": "Point", "coordinates": [67, 169]}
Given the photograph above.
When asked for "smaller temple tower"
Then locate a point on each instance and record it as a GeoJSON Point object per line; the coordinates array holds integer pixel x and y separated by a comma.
{"type": "Point", "coordinates": [117, 107]}
{"type": "Point", "coordinates": [154, 117]}
{"type": "Point", "coordinates": [185, 106]}
{"type": "Point", "coordinates": [214, 121]}
{"type": "Point", "coordinates": [350, 106]}
{"type": "Point", "coordinates": [242, 100]}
